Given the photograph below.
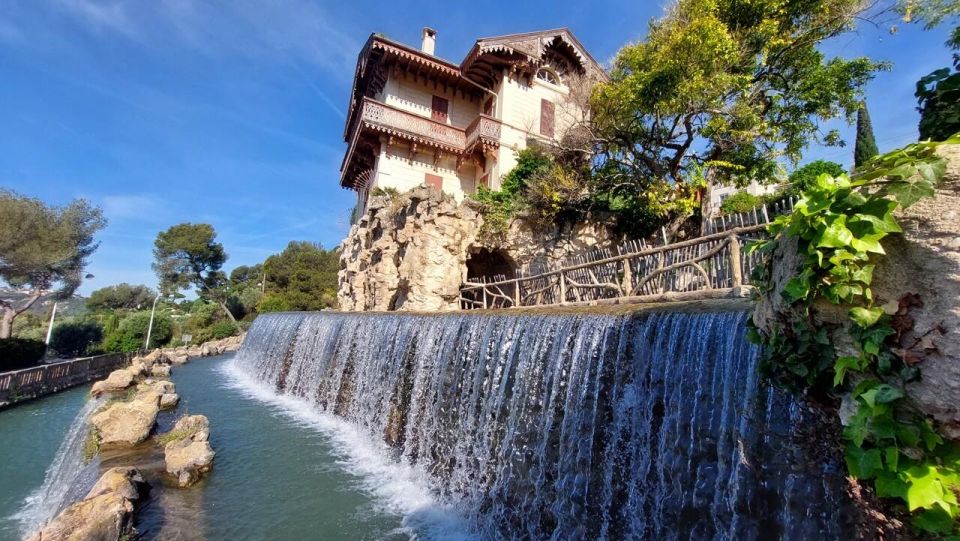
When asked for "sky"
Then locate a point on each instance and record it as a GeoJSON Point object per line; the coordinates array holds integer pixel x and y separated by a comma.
{"type": "Point", "coordinates": [231, 112]}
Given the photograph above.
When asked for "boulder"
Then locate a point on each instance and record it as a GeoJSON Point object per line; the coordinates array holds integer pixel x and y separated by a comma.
{"type": "Point", "coordinates": [207, 350]}
{"type": "Point", "coordinates": [169, 400]}
{"type": "Point", "coordinates": [137, 368]}
{"type": "Point", "coordinates": [159, 386]}
{"type": "Point", "coordinates": [160, 371]}
{"type": "Point", "coordinates": [106, 513]}
{"type": "Point", "coordinates": [189, 455]}
{"type": "Point", "coordinates": [179, 359]}
{"type": "Point", "coordinates": [125, 424]}
{"type": "Point", "coordinates": [193, 351]}
{"type": "Point", "coordinates": [154, 356]}
{"type": "Point", "coordinates": [118, 380]}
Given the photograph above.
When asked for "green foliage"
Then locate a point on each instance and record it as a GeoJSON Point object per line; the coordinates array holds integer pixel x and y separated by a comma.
{"type": "Point", "coordinates": [188, 255]}
{"type": "Point", "coordinates": [388, 192]}
{"type": "Point", "coordinates": [273, 303]}
{"type": "Point", "coordinates": [131, 333]}
{"type": "Point", "coordinates": [938, 96]}
{"type": "Point", "coordinates": [43, 247]}
{"type": "Point", "coordinates": [839, 224]}
{"type": "Point", "coordinates": [744, 201]}
{"type": "Point", "coordinates": [223, 329]}
{"type": "Point", "coordinates": [805, 178]}
{"type": "Point", "coordinates": [302, 277]}
{"type": "Point", "coordinates": [120, 297]}
{"type": "Point", "coordinates": [696, 95]}
{"type": "Point", "coordinates": [866, 144]}
{"type": "Point", "coordinates": [18, 353]}
{"type": "Point", "coordinates": [75, 338]}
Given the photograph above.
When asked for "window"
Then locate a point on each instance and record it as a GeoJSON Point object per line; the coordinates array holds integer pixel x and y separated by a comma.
{"type": "Point", "coordinates": [546, 118]}
{"type": "Point", "coordinates": [547, 75]}
{"type": "Point", "coordinates": [434, 181]}
{"type": "Point", "coordinates": [439, 109]}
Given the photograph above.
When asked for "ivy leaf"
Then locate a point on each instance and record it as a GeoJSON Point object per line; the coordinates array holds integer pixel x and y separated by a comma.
{"type": "Point", "coordinates": [841, 366]}
{"type": "Point", "coordinates": [865, 317]}
{"type": "Point", "coordinates": [936, 520]}
{"type": "Point", "coordinates": [889, 485]}
{"type": "Point", "coordinates": [836, 235]}
{"type": "Point", "coordinates": [863, 464]}
{"type": "Point", "coordinates": [797, 288]}
{"type": "Point", "coordinates": [908, 193]}
{"type": "Point", "coordinates": [924, 490]}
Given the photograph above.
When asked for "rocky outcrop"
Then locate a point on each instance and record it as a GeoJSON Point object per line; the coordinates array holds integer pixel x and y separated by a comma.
{"type": "Point", "coordinates": [125, 424]}
{"type": "Point", "coordinates": [918, 282]}
{"type": "Point", "coordinates": [187, 452]}
{"type": "Point", "coordinates": [411, 251]}
{"type": "Point", "coordinates": [118, 380]}
{"type": "Point", "coordinates": [105, 513]}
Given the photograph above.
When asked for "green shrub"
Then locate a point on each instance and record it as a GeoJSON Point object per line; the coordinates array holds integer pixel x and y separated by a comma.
{"type": "Point", "coordinates": [223, 329]}
{"type": "Point", "coordinates": [740, 202]}
{"type": "Point", "coordinates": [805, 177]}
{"type": "Point", "coordinates": [18, 353]}
{"type": "Point", "coordinates": [73, 339]}
{"type": "Point", "coordinates": [272, 303]}
{"type": "Point", "coordinates": [132, 332]}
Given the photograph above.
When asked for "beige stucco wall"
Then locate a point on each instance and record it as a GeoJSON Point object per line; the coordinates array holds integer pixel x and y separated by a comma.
{"type": "Point", "coordinates": [398, 168]}
{"type": "Point", "coordinates": [416, 96]}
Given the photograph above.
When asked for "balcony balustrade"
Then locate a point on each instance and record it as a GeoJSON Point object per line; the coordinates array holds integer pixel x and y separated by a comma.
{"type": "Point", "coordinates": [393, 121]}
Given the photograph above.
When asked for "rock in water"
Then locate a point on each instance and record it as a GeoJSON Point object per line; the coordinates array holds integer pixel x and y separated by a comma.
{"type": "Point", "coordinates": [118, 380]}
{"type": "Point", "coordinates": [160, 371]}
{"type": "Point", "coordinates": [127, 423]}
{"type": "Point", "coordinates": [189, 456]}
{"type": "Point", "coordinates": [105, 514]}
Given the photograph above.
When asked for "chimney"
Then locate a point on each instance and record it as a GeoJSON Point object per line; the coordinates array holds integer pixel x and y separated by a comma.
{"type": "Point", "coordinates": [429, 40]}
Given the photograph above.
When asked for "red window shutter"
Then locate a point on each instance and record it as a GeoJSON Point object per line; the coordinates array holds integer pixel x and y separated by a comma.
{"type": "Point", "coordinates": [488, 107]}
{"type": "Point", "coordinates": [435, 181]}
{"type": "Point", "coordinates": [546, 118]}
{"type": "Point", "coordinates": [439, 109]}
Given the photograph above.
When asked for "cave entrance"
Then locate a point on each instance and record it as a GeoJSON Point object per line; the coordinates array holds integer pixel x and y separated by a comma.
{"type": "Point", "coordinates": [488, 266]}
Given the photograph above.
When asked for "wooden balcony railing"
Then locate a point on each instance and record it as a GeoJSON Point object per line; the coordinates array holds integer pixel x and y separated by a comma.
{"type": "Point", "coordinates": [394, 121]}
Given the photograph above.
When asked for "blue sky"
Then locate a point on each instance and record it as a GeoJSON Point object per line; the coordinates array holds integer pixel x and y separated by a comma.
{"type": "Point", "coordinates": [231, 112]}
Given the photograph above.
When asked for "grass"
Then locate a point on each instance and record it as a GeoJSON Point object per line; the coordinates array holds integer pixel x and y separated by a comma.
{"type": "Point", "coordinates": [91, 446]}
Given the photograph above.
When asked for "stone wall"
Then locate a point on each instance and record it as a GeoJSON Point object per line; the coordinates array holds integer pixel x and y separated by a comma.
{"type": "Point", "coordinates": [410, 251]}
{"type": "Point", "coordinates": [920, 278]}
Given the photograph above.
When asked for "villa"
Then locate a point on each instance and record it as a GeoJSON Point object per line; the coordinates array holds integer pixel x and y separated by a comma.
{"type": "Point", "coordinates": [415, 118]}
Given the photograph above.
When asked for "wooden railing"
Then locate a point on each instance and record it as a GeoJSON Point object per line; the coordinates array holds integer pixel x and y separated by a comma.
{"type": "Point", "coordinates": [395, 121]}
{"type": "Point", "coordinates": [711, 265]}
{"type": "Point", "coordinates": [50, 378]}
{"type": "Point", "coordinates": [762, 214]}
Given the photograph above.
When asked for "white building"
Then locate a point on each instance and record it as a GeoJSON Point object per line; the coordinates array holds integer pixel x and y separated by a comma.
{"type": "Point", "coordinates": [415, 118]}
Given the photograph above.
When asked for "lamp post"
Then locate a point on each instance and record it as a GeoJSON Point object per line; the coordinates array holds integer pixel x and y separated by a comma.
{"type": "Point", "coordinates": [153, 311]}
{"type": "Point", "coordinates": [53, 314]}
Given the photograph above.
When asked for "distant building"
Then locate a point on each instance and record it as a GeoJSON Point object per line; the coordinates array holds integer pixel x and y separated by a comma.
{"type": "Point", "coordinates": [415, 118]}
{"type": "Point", "coordinates": [719, 193]}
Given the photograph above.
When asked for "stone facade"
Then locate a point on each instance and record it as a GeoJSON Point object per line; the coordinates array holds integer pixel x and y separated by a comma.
{"type": "Point", "coordinates": [411, 251]}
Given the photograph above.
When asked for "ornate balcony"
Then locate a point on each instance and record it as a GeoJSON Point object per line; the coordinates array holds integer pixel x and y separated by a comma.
{"type": "Point", "coordinates": [378, 118]}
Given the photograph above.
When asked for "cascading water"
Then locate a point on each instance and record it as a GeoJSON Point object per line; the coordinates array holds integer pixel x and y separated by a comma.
{"type": "Point", "coordinates": [67, 479]}
{"type": "Point", "coordinates": [573, 426]}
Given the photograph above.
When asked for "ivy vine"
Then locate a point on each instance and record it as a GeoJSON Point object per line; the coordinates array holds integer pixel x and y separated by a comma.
{"type": "Point", "coordinates": [839, 224]}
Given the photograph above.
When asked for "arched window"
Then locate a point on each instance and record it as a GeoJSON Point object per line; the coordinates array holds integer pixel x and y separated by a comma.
{"type": "Point", "coordinates": [548, 75]}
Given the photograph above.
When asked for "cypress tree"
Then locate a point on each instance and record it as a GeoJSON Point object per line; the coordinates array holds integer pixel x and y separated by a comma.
{"type": "Point", "coordinates": [866, 146]}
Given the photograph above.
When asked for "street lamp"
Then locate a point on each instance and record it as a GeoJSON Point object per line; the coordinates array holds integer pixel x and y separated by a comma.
{"type": "Point", "coordinates": [153, 311]}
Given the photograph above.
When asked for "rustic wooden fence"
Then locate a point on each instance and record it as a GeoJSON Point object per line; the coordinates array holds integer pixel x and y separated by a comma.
{"type": "Point", "coordinates": [45, 379]}
{"type": "Point", "coordinates": [706, 266]}
{"type": "Point", "coordinates": [759, 215]}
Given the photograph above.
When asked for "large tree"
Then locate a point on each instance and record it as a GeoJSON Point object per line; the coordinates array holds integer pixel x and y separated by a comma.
{"type": "Point", "coordinates": [120, 297]}
{"type": "Point", "coordinates": [43, 249]}
{"type": "Point", "coordinates": [866, 144]}
{"type": "Point", "coordinates": [720, 91]}
{"type": "Point", "coordinates": [188, 255]}
{"type": "Point", "coordinates": [301, 277]}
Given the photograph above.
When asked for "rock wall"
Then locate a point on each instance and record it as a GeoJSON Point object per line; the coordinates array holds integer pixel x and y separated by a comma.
{"type": "Point", "coordinates": [409, 252]}
{"type": "Point", "coordinates": [917, 281]}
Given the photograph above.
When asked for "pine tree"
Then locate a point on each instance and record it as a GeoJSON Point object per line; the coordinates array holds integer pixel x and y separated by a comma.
{"type": "Point", "coordinates": [866, 146]}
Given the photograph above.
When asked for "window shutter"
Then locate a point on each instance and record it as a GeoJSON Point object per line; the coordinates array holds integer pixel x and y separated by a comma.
{"type": "Point", "coordinates": [488, 107]}
{"type": "Point", "coordinates": [439, 109]}
{"type": "Point", "coordinates": [435, 181]}
{"type": "Point", "coordinates": [546, 118]}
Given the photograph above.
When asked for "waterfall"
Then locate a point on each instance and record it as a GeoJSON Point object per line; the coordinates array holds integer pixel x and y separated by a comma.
{"type": "Point", "coordinates": [68, 478]}
{"type": "Point", "coordinates": [569, 426]}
